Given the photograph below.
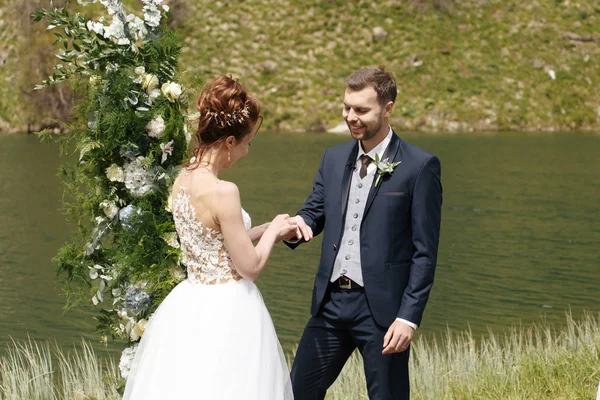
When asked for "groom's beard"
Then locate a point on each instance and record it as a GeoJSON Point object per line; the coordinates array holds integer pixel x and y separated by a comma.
{"type": "Point", "coordinates": [369, 131]}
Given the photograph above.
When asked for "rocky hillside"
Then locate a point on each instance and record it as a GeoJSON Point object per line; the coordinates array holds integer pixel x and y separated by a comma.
{"type": "Point", "coordinates": [472, 65]}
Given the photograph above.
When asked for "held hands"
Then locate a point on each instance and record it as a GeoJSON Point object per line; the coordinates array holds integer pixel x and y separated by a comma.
{"type": "Point", "coordinates": [282, 227]}
{"type": "Point", "coordinates": [398, 338]}
{"type": "Point", "coordinates": [302, 231]}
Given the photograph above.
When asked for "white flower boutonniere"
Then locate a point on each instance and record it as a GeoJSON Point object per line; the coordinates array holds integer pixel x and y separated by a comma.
{"type": "Point", "coordinates": [384, 167]}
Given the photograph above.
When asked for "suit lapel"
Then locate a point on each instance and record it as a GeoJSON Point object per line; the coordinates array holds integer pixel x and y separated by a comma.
{"type": "Point", "coordinates": [347, 178]}
{"type": "Point", "coordinates": [392, 153]}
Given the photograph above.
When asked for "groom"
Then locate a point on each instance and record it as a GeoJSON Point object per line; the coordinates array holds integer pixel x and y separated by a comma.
{"type": "Point", "coordinates": [380, 227]}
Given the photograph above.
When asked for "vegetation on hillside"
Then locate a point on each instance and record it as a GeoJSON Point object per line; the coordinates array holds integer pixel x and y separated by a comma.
{"type": "Point", "coordinates": [469, 65]}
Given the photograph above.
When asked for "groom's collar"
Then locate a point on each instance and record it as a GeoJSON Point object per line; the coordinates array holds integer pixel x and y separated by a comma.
{"type": "Point", "coordinates": [379, 149]}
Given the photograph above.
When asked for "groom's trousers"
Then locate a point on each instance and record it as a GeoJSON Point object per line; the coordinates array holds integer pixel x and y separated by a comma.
{"type": "Point", "coordinates": [344, 324]}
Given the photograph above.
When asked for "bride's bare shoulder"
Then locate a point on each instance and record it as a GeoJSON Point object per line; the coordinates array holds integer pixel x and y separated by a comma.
{"type": "Point", "coordinates": [226, 188]}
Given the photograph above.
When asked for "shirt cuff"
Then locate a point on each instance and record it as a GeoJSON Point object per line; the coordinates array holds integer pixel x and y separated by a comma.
{"type": "Point", "coordinates": [292, 241]}
{"type": "Point", "coordinates": [412, 325]}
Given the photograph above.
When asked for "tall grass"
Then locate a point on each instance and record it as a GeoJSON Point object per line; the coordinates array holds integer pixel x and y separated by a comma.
{"type": "Point", "coordinates": [538, 362]}
{"type": "Point", "coordinates": [33, 371]}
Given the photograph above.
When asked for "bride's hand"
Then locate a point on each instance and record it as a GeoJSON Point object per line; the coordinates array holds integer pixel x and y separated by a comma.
{"type": "Point", "coordinates": [283, 227]}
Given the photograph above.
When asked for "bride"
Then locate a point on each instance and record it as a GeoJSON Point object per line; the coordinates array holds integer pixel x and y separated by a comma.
{"type": "Point", "coordinates": [212, 337]}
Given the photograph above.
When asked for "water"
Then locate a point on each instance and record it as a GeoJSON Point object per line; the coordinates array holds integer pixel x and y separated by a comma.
{"type": "Point", "coordinates": [519, 232]}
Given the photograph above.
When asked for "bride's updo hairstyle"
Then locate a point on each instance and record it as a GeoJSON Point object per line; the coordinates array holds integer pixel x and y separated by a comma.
{"type": "Point", "coordinates": [226, 109]}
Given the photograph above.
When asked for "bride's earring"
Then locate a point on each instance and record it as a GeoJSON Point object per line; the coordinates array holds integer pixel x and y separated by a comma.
{"type": "Point", "coordinates": [229, 156]}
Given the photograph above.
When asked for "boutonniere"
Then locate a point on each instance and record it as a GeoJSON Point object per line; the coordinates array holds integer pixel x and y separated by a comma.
{"type": "Point", "coordinates": [384, 167]}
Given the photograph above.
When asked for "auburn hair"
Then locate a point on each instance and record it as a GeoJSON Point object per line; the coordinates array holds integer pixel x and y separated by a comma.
{"type": "Point", "coordinates": [226, 109]}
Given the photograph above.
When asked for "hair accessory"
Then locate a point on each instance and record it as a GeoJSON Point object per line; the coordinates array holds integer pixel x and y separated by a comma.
{"type": "Point", "coordinates": [222, 118]}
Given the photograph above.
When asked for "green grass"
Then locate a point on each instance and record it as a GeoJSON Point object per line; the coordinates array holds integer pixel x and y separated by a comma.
{"type": "Point", "coordinates": [482, 65]}
{"type": "Point", "coordinates": [538, 362]}
{"type": "Point", "coordinates": [34, 371]}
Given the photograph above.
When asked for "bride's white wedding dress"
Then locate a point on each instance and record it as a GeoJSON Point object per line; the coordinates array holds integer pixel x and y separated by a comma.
{"type": "Point", "coordinates": [212, 337]}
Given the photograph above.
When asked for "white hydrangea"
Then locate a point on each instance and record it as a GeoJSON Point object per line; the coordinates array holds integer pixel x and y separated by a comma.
{"type": "Point", "coordinates": [171, 91]}
{"type": "Point", "coordinates": [152, 14]}
{"type": "Point", "coordinates": [125, 215]}
{"type": "Point", "coordinates": [110, 208]}
{"type": "Point", "coordinates": [127, 357]}
{"type": "Point", "coordinates": [114, 173]}
{"type": "Point", "coordinates": [156, 127]}
{"type": "Point", "coordinates": [139, 178]}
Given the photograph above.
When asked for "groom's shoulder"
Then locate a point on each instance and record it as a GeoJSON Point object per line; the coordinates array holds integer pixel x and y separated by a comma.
{"type": "Point", "coordinates": [416, 152]}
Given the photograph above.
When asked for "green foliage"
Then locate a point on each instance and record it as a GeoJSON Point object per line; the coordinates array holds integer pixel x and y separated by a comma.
{"type": "Point", "coordinates": [126, 145]}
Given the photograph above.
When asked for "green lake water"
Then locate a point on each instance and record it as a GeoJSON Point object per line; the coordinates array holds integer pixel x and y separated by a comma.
{"type": "Point", "coordinates": [519, 241]}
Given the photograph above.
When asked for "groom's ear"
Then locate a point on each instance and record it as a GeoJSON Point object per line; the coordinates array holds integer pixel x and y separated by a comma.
{"type": "Point", "coordinates": [388, 109]}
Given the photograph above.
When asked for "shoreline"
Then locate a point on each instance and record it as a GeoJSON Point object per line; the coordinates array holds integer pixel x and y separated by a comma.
{"type": "Point", "coordinates": [461, 128]}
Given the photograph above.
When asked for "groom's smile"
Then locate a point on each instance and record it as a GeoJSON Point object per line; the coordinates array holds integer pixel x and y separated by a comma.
{"type": "Point", "coordinates": [364, 114]}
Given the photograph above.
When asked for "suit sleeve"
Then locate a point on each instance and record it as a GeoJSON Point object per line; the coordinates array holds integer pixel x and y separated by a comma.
{"type": "Point", "coordinates": [426, 215]}
{"type": "Point", "coordinates": [312, 212]}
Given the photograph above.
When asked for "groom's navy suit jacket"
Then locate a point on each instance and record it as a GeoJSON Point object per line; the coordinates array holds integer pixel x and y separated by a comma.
{"type": "Point", "coordinates": [399, 232]}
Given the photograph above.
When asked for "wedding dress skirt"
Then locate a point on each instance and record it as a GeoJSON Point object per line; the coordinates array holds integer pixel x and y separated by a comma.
{"type": "Point", "coordinates": [210, 342]}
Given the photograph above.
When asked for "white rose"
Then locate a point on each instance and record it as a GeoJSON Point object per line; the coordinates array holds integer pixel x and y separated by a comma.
{"type": "Point", "coordinates": [140, 70]}
{"type": "Point", "coordinates": [171, 239]}
{"type": "Point", "coordinates": [156, 126]}
{"type": "Point", "coordinates": [153, 94]}
{"type": "Point", "coordinates": [109, 208]}
{"type": "Point", "coordinates": [138, 330]}
{"type": "Point", "coordinates": [114, 173]}
{"type": "Point", "coordinates": [177, 273]}
{"type": "Point", "coordinates": [171, 91]}
{"type": "Point", "coordinates": [149, 83]}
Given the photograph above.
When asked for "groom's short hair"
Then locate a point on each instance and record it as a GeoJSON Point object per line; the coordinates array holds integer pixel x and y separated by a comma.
{"type": "Point", "coordinates": [376, 77]}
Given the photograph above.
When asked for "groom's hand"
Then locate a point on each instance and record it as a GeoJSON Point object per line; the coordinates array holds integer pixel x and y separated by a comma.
{"type": "Point", "coordinates": [398, 338]}
{"type": "Point", "coordinates": [302, 231]}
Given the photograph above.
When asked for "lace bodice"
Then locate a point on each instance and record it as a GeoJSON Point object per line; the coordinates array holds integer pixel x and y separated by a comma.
{"type": "Point", "coordinates": [204, 254]}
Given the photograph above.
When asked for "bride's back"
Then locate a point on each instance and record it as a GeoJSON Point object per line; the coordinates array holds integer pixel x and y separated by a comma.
{"type": "Point", "coordinates": [200, 186]}
{"type": "Point", "coordinates": [202, 243]}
